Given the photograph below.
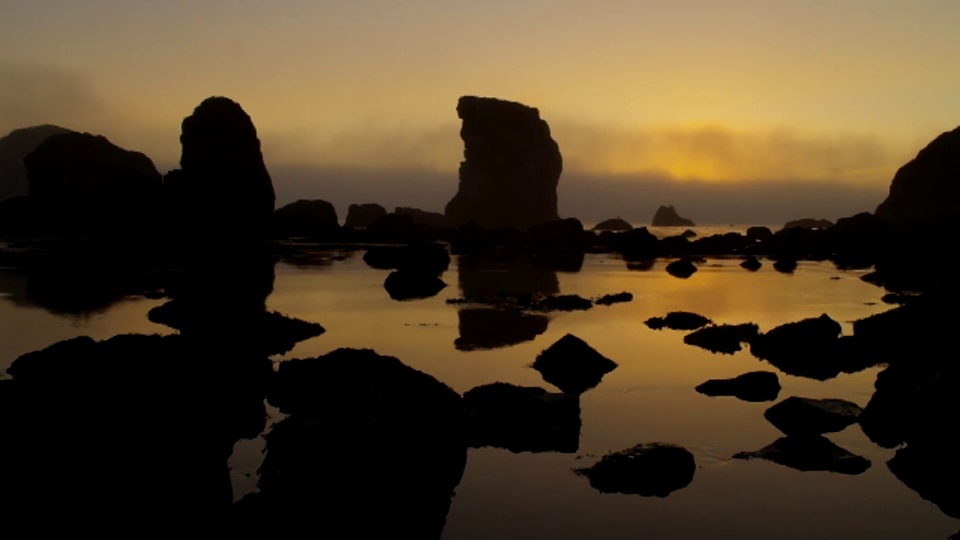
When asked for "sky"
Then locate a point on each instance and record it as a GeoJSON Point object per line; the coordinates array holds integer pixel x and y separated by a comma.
{"type": "Point", "coordinates": [735, 111]}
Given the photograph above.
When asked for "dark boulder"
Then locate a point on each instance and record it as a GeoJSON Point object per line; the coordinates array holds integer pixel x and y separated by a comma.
{"type": "Point", "coordinates": [812, 453]}
{"type": "Point", "coordinates": [362, 427]}
{"type": "Point", "coordinates": [754, 386]}
{"type": "Point", "coordinates": [681, 268]}
{"type": "Point", "coordinates": [572, 366]}
{"type": "Point", "coordinates": [758, 233]}
{"type": "Point", "coordinates": [925, 191]}
{"type": "Point", "coordinates": [522, 419]}
{"type": "Point", "coordinates": [798, 416]}
{"type": "Point", "coordinates": [362, 215]}
{"type": "Point", "coordinates": [751, 263]}
{"type": "Point", "coordinates": [724, 338]}
{"type": "Point", "coordinates": [412, 285]}
{"type": "Point", "coordinates": [678, 320]}
{"type": "Point", "coordinates": [808, 223]}
{"type": "Point", "coordinates": [797, 340]}
{"type": "Point", "coordinates": [311, 218]}
{"type": "Point", "coordinates": [427, 257]}
{"type": "Point", "coordinates": [562, 302]}
{"type": "Point", "coordinates": [667, 216]}
{"type": "Point", "coordinates": [222, 186]}
{"type": "Point", "coordinates": [511, 166]}
{"type": "Point", "coordinates": [13, 148]}
{"type": "Point", "coordinates": [614, 298]}
{"type": "Point", "coordinates": [650, 470]}
{"type": "Point", "coordinates": [613, 224]}
{"type": "Point", "coordinates": [785, 265]}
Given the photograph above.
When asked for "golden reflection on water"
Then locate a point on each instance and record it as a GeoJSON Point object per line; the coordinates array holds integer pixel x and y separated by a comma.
{"type": "Point", "coordinates": [649, 397]}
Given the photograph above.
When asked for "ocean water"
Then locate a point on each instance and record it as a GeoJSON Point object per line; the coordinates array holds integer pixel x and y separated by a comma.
{"type": "Point", "coordinates": [649, 397]}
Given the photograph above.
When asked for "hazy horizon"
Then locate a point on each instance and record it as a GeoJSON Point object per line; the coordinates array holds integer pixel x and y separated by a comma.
{"type": "Point", "coordinates": [741, 113]}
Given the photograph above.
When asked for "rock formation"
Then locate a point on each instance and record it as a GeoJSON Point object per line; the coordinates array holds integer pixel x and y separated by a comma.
{"type": "Point", "coordinates": [362, 215]}
{"type": "Point", "coordinates": [808, 223]}
{"type": "Point", "coordinates": [667, 216]}
{"type": "Point", "coordinates": [511, 166]}
{"type": "Point", "coordinates": [13, 148]}
{"type": "Point", "coordinates": [305, 217]}
{"type": "Point", "coordinates": [222, 186]}
{"type": "Point", "coordinates": [83, 183]}
{"type": "Point", "coordinates": [926, 190]}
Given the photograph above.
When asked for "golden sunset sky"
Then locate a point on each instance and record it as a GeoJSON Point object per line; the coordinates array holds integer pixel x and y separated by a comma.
{"type": "Point", "coordinates": [709, 92]}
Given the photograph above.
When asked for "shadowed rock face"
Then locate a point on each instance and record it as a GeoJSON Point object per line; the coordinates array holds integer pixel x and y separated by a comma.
{"type": "Point", "coordinates": [798, 416]}
{"type": "Point", "coordinates": [511, 166]}
{"type": "Point", "coordinates": [522, 419]}
{"type": "Point", "coordinates": [306, 218]}
{"type": "Point", "coordinates": [13, 148]}
{"type": "Point", "coordinates": [926, 190]}
{"type": "Point", "coordinates": [362, 215]}
{"type": "Point", "coordinates": [222, 185]}
{"type": "Point", "coordinates": [572, 366]}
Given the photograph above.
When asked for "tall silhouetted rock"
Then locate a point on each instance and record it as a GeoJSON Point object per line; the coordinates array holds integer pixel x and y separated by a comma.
{"type": "Point", "coordinates": [83, 184]}
{"type": "Point", "coordinates": [13, 148]}
{"type": "Point", "coordinates": [511, 166]}
{"type": "Point", "coordinates": [667, 216]}
{"type": "Point", "coordinates": [222, 186]}
{"type": "Point", "coordinates": [927, 189]}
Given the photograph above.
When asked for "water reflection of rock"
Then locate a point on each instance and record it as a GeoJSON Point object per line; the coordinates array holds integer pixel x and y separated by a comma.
{"type": "Point", "coordinates": [135, 427]}
{"type": "Point", "coordinates": [372, 448]}
{"type": "Point", "coordinates": [809, 453]}
{"type": "Point", "coordinates": [522, 419]}
{"type": "Point", "coordinates": [225, 302]}
{"type": "Point", "coordinates": [487, 277]}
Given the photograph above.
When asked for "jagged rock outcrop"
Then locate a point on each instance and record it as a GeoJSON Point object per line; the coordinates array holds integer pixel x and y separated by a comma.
{"type": "Point", "coordinates": [667, 216]}
{"type": "Point", "coordinates": [362, 215]}
{"type": "Point", "coordinates": [511, 166]}
{"type": "Point", "coordinates": [926, 191]}
{"type": "Point", "coordinates": [13, 148]}
{"type": "Point", "coordinates": [222, 186]}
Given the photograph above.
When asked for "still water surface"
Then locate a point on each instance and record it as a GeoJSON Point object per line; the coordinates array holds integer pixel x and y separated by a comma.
{"type": "Point", "coordinates": [650, 397]}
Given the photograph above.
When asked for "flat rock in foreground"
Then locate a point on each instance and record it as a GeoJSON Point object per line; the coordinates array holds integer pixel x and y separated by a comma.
{"type": "Point", "coordinates": [806, 416]}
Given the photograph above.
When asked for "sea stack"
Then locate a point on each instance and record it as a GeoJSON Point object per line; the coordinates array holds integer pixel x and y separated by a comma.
{"type": "Point", "coordinates": [13, 148]}
{"type": "Point", "coordinates": [222, 186]}
{"type": "Point", "coordinates": [511, 166]}
{"type": "Point", "coordinates": [926, 191]}
{"type": "Point", "coordinates": [667, 216]}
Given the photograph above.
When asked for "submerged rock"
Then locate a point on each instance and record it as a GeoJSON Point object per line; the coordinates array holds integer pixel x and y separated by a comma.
{"type": "Point", "coordinates": [811, 453]}
{"type": "Point", "coordinates": [682, 268]}
{"type": "Point", "coordinates": [667, 216]}
{"type": "Point", "coordinates": [678, 320]}
{"type": "Point", "coordinates": [754, 386]}
{"type": "Point", "coordinates": [522, 419]}
{"type": "Point", "coordinates": [799, 416]}
{"type": "Point", "coordinates": [572, 366]}
{"type": "Point", "coordinates": [724, 338]}
{"type": "Point", "coordinates": [511, 166]}
{"type": "Point", "coordinates": [650, 470]}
